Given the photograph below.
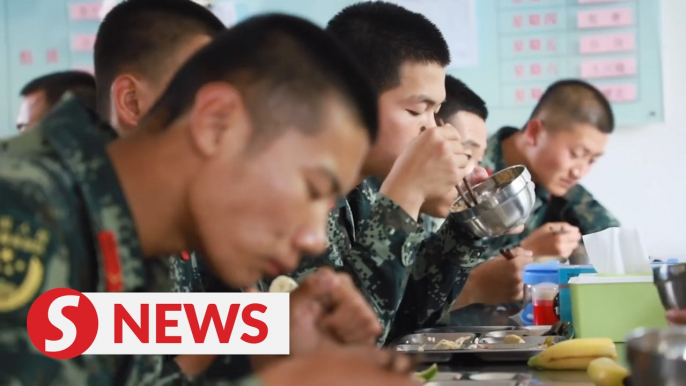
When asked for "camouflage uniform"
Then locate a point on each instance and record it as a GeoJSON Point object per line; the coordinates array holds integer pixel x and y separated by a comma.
{"type": "Point", "coordinates": [409, 277]}
{"type": "Point", "coordinates": [61, 204]}
{"type": "Point", "coordinates": [35, 143]}
{"type": "Point", "coordinates": [577, 207]}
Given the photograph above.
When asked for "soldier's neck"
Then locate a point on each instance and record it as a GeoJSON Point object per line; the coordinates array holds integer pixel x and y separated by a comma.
{"type": "Point", "coordinates": [153, 180]}
{"type": "Point", "coordinates": [513, 148]}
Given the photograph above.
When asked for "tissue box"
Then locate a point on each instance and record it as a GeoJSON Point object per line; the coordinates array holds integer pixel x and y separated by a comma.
{"type": "Point", "coordinates": [613, 306]}
{"type": "Point", "coordinates": [569, 271]}
{"type": "Point", "coordinates": [565, 274]}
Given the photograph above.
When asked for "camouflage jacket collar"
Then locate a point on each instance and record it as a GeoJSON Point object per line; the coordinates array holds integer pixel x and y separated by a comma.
{"type": "Point", "coordinates": [83, 155]}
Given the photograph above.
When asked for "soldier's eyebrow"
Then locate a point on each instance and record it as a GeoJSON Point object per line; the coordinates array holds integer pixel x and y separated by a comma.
{"type": "Point", "coordinates": [471, 144]}
{"type": "Point", "coordinates": [336, 187]}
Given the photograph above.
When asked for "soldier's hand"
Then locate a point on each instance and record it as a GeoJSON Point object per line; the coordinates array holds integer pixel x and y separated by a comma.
{"type": "Point", "coordinates": [328, 307]}
{"type": "Point", "coordinates": [677, 317]}
{"type": "Point", "coordinates": [428, 169]}
{"type": "Point", "coordinates": [440, 207]}
{"type": "Point", "coordinates": [336, 366]}
{"type": "Point", "coordinates": [557, 239]}
{"type": "Point", "coordinates": [496, 281]}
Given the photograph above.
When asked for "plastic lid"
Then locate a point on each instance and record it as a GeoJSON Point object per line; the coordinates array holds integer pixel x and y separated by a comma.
{"type": "Point", "coordinates": [542, 272]}
{"type": "Point", "coordinates": [594, 278]}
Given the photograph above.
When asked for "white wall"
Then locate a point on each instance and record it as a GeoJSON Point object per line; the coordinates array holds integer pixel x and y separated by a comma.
{"type": "Point", "coordinates": [642, 178]}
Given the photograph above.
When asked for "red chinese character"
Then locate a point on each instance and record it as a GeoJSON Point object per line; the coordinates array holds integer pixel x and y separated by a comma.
{"type": "Point", "coordinates": [620, 93]}
{"type": "Point", "coordinates": [552, 69]}
{"type": "Point", "coordinates": [535, 44]}
{"type": "Point", "coordinates": [51, 56]}
{"type": "Point", "coordinates": [607, 91]}
{"type": "Point", "coordinates": [535, 69]}
{"type": "Point", "coordinates": [619, 42]}
{"type": "Point", "coordinates": [519, 46]}
{"type": "Point", "coordinates": [519, 70]}
{"type": "Point", "coordinates": [551, 19]}
{"type": "Point", "coordinates": [592, 18]}
{"type": "Point", "coordinates": [616, 16]}
{"type": "Point", "coordinates": [95, 10]}
{"type": "Point", "coordinates": [620, 68]}
{"type": "Point", "coordinates": [26, 58]}
{"type": "Point", "coordinates": [535, 19]}
{"type": "Point", "coordinates": [520, 95]}
{"type": "Point", "coordinates": [595, 44]}
{"type": "Point", "coordinates": [551, 45]}
{"type": "Point", "coordinates": [597, 70]}
{"type": "Point", "coordinates": [517, 21]}
{"type": "Point", "coordinates": [536, 93]}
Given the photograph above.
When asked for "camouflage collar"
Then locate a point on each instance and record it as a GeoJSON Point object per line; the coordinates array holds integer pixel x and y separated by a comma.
{"type": "Point", "coordinates": [83, 154]}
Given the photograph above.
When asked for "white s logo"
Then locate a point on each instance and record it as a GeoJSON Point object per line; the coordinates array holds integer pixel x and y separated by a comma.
{"type": "Point", "coordinates": [62, 323]}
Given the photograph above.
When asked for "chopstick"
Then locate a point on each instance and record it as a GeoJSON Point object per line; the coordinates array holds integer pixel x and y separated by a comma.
{"type": "Point", "coordinates": [464, 196]}
{"type": "Point", "coordinates": [470, 192]}
{"type": "Point", "coordinates": [507, 253]}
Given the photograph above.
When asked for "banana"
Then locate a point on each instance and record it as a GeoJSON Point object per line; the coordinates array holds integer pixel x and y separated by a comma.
{"type": "Point", "coordinates": [574, 354]}
{"type": "Point", "coordinates": [606, 372]}
{"type": "Point", "coordinates": [283, 284]}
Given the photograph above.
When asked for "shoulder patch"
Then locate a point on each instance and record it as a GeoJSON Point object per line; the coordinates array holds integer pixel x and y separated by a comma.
{"type": "Point", "coordinates": [21, 267]}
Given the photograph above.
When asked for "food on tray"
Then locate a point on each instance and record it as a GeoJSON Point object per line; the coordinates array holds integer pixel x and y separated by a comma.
{"type": "Point", "coordinates": [606, 372]}
{"type": "Point", "coordinates": [428, 374]}
{"type": "Point", "coordinates": [549, 341]}
{"type": "Point", "coordinates": [574, 354]}
{"type": "Point", "coordinates": [283, 284]}
{"type": "Point", "coordinates": [446, 344]}
{"type": "Point", "coordinates": [458, 208]}
{"type": "Point", "coordinates": [511, 339]}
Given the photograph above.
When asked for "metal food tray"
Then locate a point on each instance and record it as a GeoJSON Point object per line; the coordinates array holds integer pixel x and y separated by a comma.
{"type": "Point", "coordinates": [448, 378]}
{"type": "Point", "coordinates": [520, 332]}
{"type": "Point", "coordinates": [467, 329]}
{"type": "Point", "coordinates": [432, 339]}
{"type": "Point", "coordinates": [490, 349]}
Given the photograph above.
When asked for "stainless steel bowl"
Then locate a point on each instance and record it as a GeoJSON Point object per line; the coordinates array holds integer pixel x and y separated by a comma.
{"type": "Point", "coordinates": [670, 280]}
{"type": "Point", "coordinates": [505, 201]}
{"type": "Point", "coordinates": [657, 357]}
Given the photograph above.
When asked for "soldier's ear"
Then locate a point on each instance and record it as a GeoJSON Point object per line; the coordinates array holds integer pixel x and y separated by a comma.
{"type": "Point", "coordinates": [532, 131]}
{"type": "Point", "coordinates": [125, 103]}
{"type": "Point", "coordinates": [219, 120]}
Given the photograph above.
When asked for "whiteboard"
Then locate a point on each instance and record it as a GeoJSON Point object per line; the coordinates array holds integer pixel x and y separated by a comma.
{"type": "Point", "coordinates": [508, 51]}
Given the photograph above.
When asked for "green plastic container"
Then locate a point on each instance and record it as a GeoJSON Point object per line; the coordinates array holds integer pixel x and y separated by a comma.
{"type": "Point", "coordinates": [613, 306]}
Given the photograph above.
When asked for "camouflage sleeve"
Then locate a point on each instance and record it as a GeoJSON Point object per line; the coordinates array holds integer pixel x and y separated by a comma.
{"type": "Point", "coordinates": [379, 260]}
{"type": "Point", "coordinates": [34, 258]}
{"type": "Point", "coordinates": [506, 241]}
{"type": "Point", "coordinates": [587, 213]}
{"type": "Point", "coordinates": [443, 263]}
{"type": "Point", "coordinates": [159, 370]}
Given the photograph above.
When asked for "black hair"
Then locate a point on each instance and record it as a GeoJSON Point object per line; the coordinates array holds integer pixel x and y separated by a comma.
{"type": "Point", "coordinates": [574, 100]}
{"type": "Point", "coordinates": [459, 97]}
{"type": "Point", "coordinates": [54, 85]}
{"type": "Point", "coordinates": [140, 35]}
{"type": "Point", "coordinates": [283, 66]}
{"type": "Point", "coordinates": [384, 36]}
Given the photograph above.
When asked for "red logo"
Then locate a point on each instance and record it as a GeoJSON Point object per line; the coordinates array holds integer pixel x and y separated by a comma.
{"type": "Point", "coordinates": [62, 323]}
